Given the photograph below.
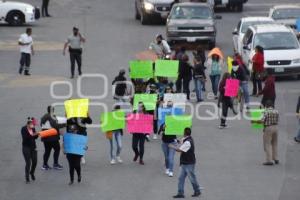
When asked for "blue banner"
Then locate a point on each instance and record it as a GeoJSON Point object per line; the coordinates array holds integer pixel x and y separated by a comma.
{"type": "Point", "coordinates": [162, 112]}
{"type": "Point", "coordinates": [75, 144]}
{"type": "Point", "coordinates": [298, 25]}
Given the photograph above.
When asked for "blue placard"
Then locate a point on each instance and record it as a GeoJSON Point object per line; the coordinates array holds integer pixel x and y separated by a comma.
{"type": "Point", "coordinates": [298, 25]}
{"type": "Point", "coordinates": [162, 112]}
{"type": "Point", "coordinates": [75, 144]}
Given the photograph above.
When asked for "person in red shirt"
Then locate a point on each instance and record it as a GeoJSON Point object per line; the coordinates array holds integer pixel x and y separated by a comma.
{"type": "Point", "coordinates": [268, 92]}
{"type": "Point", "coordinates": [258, 69]}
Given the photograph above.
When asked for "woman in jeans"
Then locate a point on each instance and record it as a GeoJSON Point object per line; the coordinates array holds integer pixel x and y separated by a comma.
{"type": "Point", "coordinates": [29, 135]}
{"type": "Point", "coordinates": [169, 153]}
{"type": "Point", "coordinates": [215, 64]}
{"type": "Point", "coordinates": [116, 143]}
{"type": "Point", "coordinates": [258, 69]}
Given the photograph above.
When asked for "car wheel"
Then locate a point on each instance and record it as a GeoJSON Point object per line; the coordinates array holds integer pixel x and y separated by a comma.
{"type": "Point", "coordinates": [239, 7]}
{"type": "Point", "coordinates": [144, 18]}
{"type": "Point", "coordinates": [211, 45]}
{"type": "Point", "coordinates": [15, 18]}
{"type": "Point", "coordinates": [137, 14]}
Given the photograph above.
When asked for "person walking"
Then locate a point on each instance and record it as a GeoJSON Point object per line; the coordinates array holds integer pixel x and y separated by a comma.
{"type": "Point", "coordinates": [240, 73]}
{"type": "Point", "coordinates": [120, 86]}
{"type": "Point", "coordinates": [169, 152]}
{"type": "Point", "coordinates": [138, 140]}
{"type": "Point", "coordinates": [270, 121]}
{"type": "Point", "coordinates": [45, 5]}
{"type": "Point", "coordinates": [258, 69]}
{"type": "Point", "coordinates": [26, 49]}
{"type": "Point", "coordinates": [115, 140]}
{"type": "Point", "coordinates": [74, 43]}
{"type": "Point", "coordinates": [226, 101]}
{"type": "Point", "coordinates": [80, 125]}
{"type": "Point", "coordinates": [199, 78]}
{"type": "Point", "coordinates": [74, 160]}
{"type": "Point", "coordinates": [268, 92]}
{"type": "Point", "coordinates": [215, 64]}
{"type": "Point", "coordinates": [49, 121]}
{"type": "Point", "coordinates": [297, 138]}
{"type": "Point", "coordinates": [29, 135]}
{"type": "Point", "coordinates": [187, 164]}
{"type": "Point", "coordinates": [184, 76]}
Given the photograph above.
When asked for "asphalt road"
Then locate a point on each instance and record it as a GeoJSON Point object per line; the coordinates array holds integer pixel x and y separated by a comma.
{"type": "Point", "coordinates": [229, 162]}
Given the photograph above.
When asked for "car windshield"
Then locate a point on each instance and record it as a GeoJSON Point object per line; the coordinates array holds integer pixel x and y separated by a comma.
{"type": "Point", "coordinates": [276, 41]}
{"type": "Point", "coordinates": [191, 12]}
{"type": "Point", "coordinates": [246, 25]}
{"type": "Point", "coordinates": [291, 13]}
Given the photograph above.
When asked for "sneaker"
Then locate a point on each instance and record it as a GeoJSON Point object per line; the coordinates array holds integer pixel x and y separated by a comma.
{"type": "Point", "coordinates": [113, 161]}
{"type": "Point", "coordinates": [27, 73]}
{"type": "Point", "coordinates": [46, 167]}
{"type": "Point", "coordinates": [20, 70]}
{"type": "Point", "coordinates": [170, 174]}
{"type": "Point", "coordinates": [83, 160]}
{"type": "Point", "coordinates": [196, 194]}
{"type": "Point", "coordinates": [142, 162]}
{"type": "Point", "coordinates": [32, 177]}
{"type": "Point", "coordinates": [119, 159]}
{"type": "Point", "coordinates": [167, 171]}
{"type": "Point", "coordinates": [135, 158]}
{"type": "Point", "coordinates": [276, 162]}
{"type": "Point", "coordinates": [71, 183]}
{"type": "Point", "coordinates": [178, 196]}
{"type": "Point", "coordinates": [57, 167]}
{"type": "Point", "coordinates": [154, 137]}
{"type": "Point", "coordinates": [268, 163]}
{"type": "Point", "coordinates": [79, 179]}
{"type": "Point", "coordinates": [296, 139]}
{"type": "Point", "coordinates": [147, 138]}
{"type": "Point", "coordinates": [222, 126]}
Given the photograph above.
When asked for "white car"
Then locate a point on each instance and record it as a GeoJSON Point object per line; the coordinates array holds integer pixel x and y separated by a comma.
{"type": "Point", "coordinates": [281, 48]}
{"type": "Point", "coordinates": [240, 30]}
{"type": "Point", "coordinates": [285, 14]}
{"type": "Point", "coordinates": [17, 13]}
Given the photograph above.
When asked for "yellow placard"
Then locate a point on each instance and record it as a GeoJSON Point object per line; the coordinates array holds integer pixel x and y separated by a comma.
{"type": "Point", "coordinates": [77, 108]}
{"type": "Point", "coordinates": [229, 63]}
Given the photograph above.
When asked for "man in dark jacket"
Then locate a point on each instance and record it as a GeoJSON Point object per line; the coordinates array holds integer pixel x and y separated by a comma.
{"type": "Point", "coordinates": [199, 79]}
{"type": "Point", "coordinates": [185, 76]}
{"type": "Point", "coordinates": [187, 164]}
{"type": "Point", "coordinates": [49, 121]}
{"type": "Point", "coordinates": [120, 88]}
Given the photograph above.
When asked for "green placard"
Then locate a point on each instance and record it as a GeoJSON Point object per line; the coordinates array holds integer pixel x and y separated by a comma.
{"type": "Point", "coordinates": [175, 124]}
{"type": "Point", "coordinates": [141, 69]}
{"type": "Point", "coordinates": [167, 68]}
{"type": "Point", "coordinates": [112, 121]}
{"type": "Point", "coordinates": [149, 101]}
{"type": "Point", "coordinates": [256, 114]}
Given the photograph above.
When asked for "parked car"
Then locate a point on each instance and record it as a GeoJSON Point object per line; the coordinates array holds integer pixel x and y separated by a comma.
{"type": "Point", "coordinates": [149, 10]}
{"type": "Point", "coordinates": [239, 32]}
{"type": "Point", "coordinates": [281, 48]}
{"type": "Point", "coordinates": [237, 5]}
{"type": "Point", "coordinates": [285, 14]}
{"type": "Point", "coordinates": [17, 13]}
{"type": "Point", "coordinates": [192, 22]}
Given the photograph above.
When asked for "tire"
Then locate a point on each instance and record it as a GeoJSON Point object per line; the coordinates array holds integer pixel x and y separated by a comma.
{"type": "Point", "coordinates": [144, 19]}
{"type": "Point", "coordinates": [211, 45]}
{"type": "Point", "coordinates": [239, 7]}
{"type": "Point", "coordinates": [15, 18]}
{"type": "Point", "coordinates": [137, 14]}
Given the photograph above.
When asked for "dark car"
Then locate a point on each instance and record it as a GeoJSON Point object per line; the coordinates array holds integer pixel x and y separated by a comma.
{"type": "Point", "coordinates": [149, 10]}
{"type": "Point", "coordinates": [192, 22]}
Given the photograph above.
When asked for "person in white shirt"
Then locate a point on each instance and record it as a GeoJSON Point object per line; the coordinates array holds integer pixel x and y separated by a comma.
{"type": "Point", "coordinates": [160, 47]}
{"type": "Point", "coordinates": [26, 49]}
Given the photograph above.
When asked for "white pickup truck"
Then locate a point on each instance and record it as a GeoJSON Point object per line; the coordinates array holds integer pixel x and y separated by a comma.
{"type": "Point", "coordinates": [17, 13]}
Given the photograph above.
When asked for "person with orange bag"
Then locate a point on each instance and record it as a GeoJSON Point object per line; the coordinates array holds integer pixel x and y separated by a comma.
{"type": "Point", "coordinates": [29, 135]}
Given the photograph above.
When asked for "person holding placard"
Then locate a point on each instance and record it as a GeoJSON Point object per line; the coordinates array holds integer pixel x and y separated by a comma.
{"type": "Point", "coordinates": [115, 141]}
{"type": "Point", "coordinates": [80, 124]}
{"type": "Point", "coordinates": [169, 152]}
{"type": "Point", "coordinates": [29, 135]}
{"type": "Point", "coordinates": [138, 139]}
{"type": "Point", "coordinates": [214, 64]}
{"type": "Point", "coordinates": [226, 101]}
{"type": "Point", "coordinates": [270, 121]}
{"type": "Point", "coordinates": [49, 121]}
{"type": "Point", "coordinates": [187, 164]}
{"type": "Point", "coordinates": [184, 76]}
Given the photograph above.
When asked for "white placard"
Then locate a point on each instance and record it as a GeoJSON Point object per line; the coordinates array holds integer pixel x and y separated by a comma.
{"type": "Point", "coordinates": [178, 99]}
